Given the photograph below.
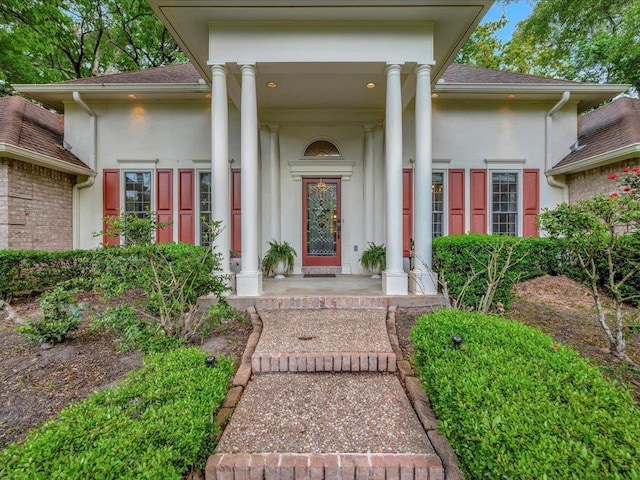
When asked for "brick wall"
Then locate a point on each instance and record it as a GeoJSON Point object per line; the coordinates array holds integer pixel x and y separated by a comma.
{"type": "Point", "coordinates": [35, 207]}
{"type": "Point", "coordinates": [586, 184]}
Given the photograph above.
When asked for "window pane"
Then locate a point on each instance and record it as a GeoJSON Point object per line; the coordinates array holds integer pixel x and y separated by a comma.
{"type": "Point", "coordinates": [137, 193]}
{"type": "Point", "coordinates": [437, 198]}
{"type": "Point", "coordinates": [205, 208]}
{"type": "Point", "coordinates": [504, 203]}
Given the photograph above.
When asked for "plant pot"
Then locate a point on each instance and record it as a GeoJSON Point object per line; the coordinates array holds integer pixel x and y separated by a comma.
{"type": "Point", "coordinates": [375, 273]}
{"type": "Point", "coordinates": [280, 270]}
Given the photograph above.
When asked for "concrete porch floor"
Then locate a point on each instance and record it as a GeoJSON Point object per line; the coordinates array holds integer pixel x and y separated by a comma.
{"type": "Point", "coordinates": [340, 286]}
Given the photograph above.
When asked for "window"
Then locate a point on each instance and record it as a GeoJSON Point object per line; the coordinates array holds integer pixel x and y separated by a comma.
{"type": "Point", "coordinates": [437, 199]}
{"type": "Point", "coordinates": [205, 208]}
{"type": "Point", "coordinates": [137, 193]}
{"type": "Point", "coordinates": [504, 203]}
{"type": "Point", "coordinates": [322, 148]}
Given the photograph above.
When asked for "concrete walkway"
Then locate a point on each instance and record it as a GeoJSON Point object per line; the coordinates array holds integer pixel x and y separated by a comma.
{"type": "Point", "coordinates": [320, 397]}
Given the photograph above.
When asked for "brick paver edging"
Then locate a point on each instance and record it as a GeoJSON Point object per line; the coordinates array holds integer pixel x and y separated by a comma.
{"type": "Point", "coordinates": [309, 302]}
{"type": "Point", "coordinates": [422, 405]}
{"type": "Point", "coordinates": [243, 374]}
{"type": "Point", "coordinates": [323, 362]}
{"type": "Point", "coordinates": [328, 466]}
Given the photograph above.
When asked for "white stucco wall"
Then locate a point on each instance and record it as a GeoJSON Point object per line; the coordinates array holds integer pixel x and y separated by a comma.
{"type": "Point", "coordinates": [177, 135]}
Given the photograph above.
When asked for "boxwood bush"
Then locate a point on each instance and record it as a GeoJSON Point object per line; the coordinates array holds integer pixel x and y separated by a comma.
{"type": "Point", "coordinates": [154, 424]}
{"type": "Point", "coordinates": [515, 405]}
{"type": "Point", "coordinates": [456, 257]}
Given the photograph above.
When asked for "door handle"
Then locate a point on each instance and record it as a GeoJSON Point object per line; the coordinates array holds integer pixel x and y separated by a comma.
{"type": "Point", "coordinates": [338, 227]}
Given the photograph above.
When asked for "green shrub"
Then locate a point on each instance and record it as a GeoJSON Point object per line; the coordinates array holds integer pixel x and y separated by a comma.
{"type": "Point", "coordinates": [459, 257]}
{"type": "Point", "coordinates": [154, 424]}
{"type": "Point", "coordinates": [135, 332]}
{"type": "Point", "coordinates": [515, 405]}
{"type": "Point", "coordinates": [60, 316]}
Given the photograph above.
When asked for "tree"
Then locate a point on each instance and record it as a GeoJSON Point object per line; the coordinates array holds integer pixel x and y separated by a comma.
{"type": "Point", "coordinates": [45, 41]}
{"type": "Point", "coordinates": [602, 235]}
{"type": "Point", "coordinates": [483, 48]}
{"type": "Point", "coordinates": [586, 40]}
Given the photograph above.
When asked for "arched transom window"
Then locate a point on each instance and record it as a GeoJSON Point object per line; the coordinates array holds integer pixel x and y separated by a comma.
{"type": "Point", "coordinates": [321, 148]}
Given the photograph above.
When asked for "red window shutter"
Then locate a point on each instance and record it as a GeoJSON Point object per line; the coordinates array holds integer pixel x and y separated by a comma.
{"type": "Point", "coordinates": [456, 202]}
{"type": "Point", "coordinates": [479, 200]}
{"type": "Point", "coordinates": [236, 211]}
{"type": "Point", "coordinates": [165, 204]}
{"type": "Point", "coordinates": [530, 202]}
{"type": "Point", "coordinates": [407, 210]}
{"type": "Point", "coordinates": [186, 206]}
{"type": "Point", "coordinates": [110, 201]}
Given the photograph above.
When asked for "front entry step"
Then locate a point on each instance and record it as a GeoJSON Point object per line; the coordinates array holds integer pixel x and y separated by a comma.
{"type": "Point", "coordinates": [293, 466]}
{"type": "Point", "coordinates": [307, 302]}
{"type": "Point", "coordinates": [323, 362]}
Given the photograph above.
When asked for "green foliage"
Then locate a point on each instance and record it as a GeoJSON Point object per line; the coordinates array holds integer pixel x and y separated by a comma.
{"type": "Point", "coordinates": [278, 252]}
{"type": "Point", "coordinates": [31, 271]}
{"type": "Point", "coordinates": [515, 405]}
{"type": "Point", "coordinates": [136, 230]}
{"type": "Point", "coordinates": [483, 48]}
{"type": "Point", "coordinates": [374, 257]}
{"type": "Point", "coordinates": [154, 424]}
{"type": "Point", "coordinates": [602, 237]}
{"type": "Point", "coordinates": [462, 262]}
{"type": "Point", "coordinates": [586, 40]}
{"type": "Point", "coordinates": [134, 331]}
{"type": "Point", "coordinates": [43, 41]}
{"type": "Point", "coordinates": [60, 316]}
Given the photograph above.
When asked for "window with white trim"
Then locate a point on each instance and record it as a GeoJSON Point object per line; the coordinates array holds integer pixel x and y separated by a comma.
{"type": "Point", "coordinates": [437, 202]}
{"type": "Point", "coordinates": [504, 203]}
{"type": "Point", "coordinates": [204, 202]}
{"type": "Point", "coordinates": [138, 193]}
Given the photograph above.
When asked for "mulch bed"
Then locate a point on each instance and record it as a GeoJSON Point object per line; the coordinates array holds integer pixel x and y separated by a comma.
{"type": "Point", "coordinates": [36, 383]}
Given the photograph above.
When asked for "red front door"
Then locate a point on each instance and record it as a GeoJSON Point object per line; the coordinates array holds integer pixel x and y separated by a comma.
{"type": "Point", "coordinates": [321, 223]}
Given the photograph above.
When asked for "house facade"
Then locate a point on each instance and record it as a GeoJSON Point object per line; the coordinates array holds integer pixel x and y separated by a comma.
{"type": "Point", "coordinates": [325, 124]}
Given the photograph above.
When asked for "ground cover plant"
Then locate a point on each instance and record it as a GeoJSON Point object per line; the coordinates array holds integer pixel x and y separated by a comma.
{"type": "Point", "coordinates": [515, 404]}
{"type": "Point", "coordinates": [155, 424]}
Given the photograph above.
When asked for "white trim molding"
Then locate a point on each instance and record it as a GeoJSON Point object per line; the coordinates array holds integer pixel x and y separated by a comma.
{"type": "Point", "coordinates": [28, 156]}
{"type": "Point", "coordinates": [313, 167]}
{"type": "Point", "coordinates": [612, 156]}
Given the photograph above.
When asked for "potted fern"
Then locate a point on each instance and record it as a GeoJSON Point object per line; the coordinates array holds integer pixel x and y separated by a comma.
{"type": "Point", "coordinates": [374, 259]}
{"type": "Point", "coordinates": [278, 260]}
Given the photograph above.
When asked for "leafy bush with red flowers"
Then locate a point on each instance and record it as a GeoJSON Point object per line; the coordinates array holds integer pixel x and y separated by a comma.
{"type": "Point", "coordinates": [628, 181]}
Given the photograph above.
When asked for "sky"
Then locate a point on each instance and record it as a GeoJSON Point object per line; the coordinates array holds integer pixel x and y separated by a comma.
{"type": "Point", "coordinates": [514, 12]}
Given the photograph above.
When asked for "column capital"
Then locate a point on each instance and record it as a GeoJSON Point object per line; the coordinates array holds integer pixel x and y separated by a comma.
{"type": "Point", "coordinates": [274, 128]}
{"type": "Point", "coordinates": [248, 67]}
{"type": "Point", "coordinates": [218, 68]}
{"type": "Point", "coordinates": [368, 128]}
{"type": "Point", "coordinates": [423, 68]}
{"type": "Point", "coordinates": [393, 68]}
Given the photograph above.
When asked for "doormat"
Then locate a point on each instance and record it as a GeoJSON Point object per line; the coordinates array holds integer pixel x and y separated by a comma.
{"type": "Point", "coordinates": [319, 275]}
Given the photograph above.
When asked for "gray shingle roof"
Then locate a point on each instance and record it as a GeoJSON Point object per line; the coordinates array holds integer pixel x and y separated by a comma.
{"type": "Point", "coordinates": [610, 127]}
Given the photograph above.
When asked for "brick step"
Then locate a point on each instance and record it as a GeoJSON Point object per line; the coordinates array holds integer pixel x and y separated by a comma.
{"type": "Point", "coordinates": [304, 302]}
{"type": "Point", "coordinates": [323, 362]}
{"type": "Point", "coordinates": [294, 466]}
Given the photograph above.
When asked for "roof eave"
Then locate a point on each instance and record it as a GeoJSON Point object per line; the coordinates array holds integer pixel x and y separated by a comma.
{"type": "Point", "coordinates": [19, 153]}
{"type": "Point", "coordinates": [612, 156]}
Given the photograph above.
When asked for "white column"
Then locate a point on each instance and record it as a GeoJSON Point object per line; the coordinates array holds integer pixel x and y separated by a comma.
{"type": "Point", "coordinates": [422, 280]}
{"type": "Point", "coordinates": [274, 181]}
{"type": "Point", "coordinates": [249, 280]}
{"type": "Point", "coordinates": [369, 199]}
{"type": "Point", "coordinates": [295, 222]}
{"type": "Point", "coordinates": [221, 208]}
{"type": "Point", "coordinates": [394, 279]}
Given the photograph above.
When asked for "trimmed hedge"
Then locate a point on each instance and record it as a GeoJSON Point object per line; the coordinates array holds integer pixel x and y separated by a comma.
{"type": "Point", "coordinates": [35, 271]}
{"type": "Point", "coordinates": [154, 424]}
{"type": "Point", "coordinates": [457, 256]}
{"type": "Point", "coordinates": [515, 405]}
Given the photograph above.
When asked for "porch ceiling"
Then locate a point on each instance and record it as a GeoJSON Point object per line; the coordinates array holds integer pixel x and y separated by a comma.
{"type": "Point", "coordinates": [188, 21]}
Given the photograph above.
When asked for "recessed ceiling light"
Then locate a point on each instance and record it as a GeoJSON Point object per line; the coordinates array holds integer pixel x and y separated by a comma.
{"type": "Point", "coordinates": [272, 84]}
{"type": "Point", "coordinates": [207, 95]}
{"type": "Point", "coordinates": [511, 96]}
{"type": "Point", "coordinates": [371, 85]}
{"type": "Point", "coordinates": [131, 96]}
{"type": "Point", "coordinates": [434, 95]}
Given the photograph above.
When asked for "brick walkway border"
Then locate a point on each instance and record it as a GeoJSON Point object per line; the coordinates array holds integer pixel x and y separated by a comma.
{"type": "Point", "coordinates": [294, 466]}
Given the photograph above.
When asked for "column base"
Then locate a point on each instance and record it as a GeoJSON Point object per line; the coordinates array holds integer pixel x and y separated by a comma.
{"type": "Point", "coordinates": [229, 279]}
{"type": "Point", "coordinates": [395, 283]}
{"type": "Point", "coordinates": [423, 282]}
{"type": "Point", "coordinates": [249, 284]}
